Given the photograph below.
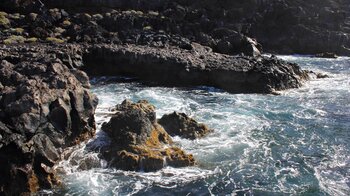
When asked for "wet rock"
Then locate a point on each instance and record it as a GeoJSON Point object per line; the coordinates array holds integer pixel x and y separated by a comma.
{"type": "Point", "coordinates": [171, 66]}
{"type": "Point", "coordinates": [139, 142]}
{"type": "Point", "coordinates": [329, 55]}
{"type": "Point", "coordinates": [321, 75]}
{"type": "Point", "coordinates": [44, 108]}
{"type": "Point", "coordinates": [179, 124]}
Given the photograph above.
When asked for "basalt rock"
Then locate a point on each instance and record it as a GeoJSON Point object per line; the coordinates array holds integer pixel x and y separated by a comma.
{"type": "Point", "coordinates": [329, 55]}
{"type": "Point", "coordinates": [139, 142]}
{"type": "Point", "coordinates": [179, 124]}
{"type": "Point", "coordinates": [172, 66]}
{"type": "Point", "coordinates": [192, 65]}
{"type": "Point", "coordinates": [43, 109]}
{"type": "Point", "coordinates": [281, 26]}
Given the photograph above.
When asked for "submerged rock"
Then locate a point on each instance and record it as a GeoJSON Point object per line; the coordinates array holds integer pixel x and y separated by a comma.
{"type": "Point", "coordinates": [179, 124]}
{"type": "Point", "coordinates": [139, 142]}
{"type": "Point", "coordinates": [43, 109]}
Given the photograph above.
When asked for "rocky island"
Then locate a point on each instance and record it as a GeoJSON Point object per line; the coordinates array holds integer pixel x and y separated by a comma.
{"type": "Point", "coordinates": [49, 48]}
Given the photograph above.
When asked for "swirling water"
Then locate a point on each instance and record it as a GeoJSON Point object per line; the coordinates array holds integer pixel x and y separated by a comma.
{"type": "Point", "coordinates": [297, 143]}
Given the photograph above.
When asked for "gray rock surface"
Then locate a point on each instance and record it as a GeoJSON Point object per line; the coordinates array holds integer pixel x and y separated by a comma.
{"type": "Point", "coordinates": [43, 109]}
{"type": "Point", "coordinates": [172, 66]}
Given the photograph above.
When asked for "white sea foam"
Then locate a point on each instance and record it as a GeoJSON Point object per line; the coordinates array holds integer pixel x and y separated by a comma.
{"type": "Point", "coordinates": [290, 144]}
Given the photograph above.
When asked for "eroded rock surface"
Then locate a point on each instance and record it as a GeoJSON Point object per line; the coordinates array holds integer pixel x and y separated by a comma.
{"type": "Point", "coordinates": [43, 109]}
{"type": "Point", "coordinates": [169, 66]}
{"type": "Point", "coordinates": [179, 124]}
{"type": "Point", "coordinates": [139, 142]}
{"type": "Point", "coordinates": [172, 66]}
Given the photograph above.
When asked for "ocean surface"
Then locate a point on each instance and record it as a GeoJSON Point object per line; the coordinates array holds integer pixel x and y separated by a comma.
{"type": "Point", "coordinates": [297, 143]}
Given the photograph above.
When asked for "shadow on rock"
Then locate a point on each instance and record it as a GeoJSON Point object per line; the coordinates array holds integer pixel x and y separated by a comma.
{"type": "Point", "coordinates": [138, 142]}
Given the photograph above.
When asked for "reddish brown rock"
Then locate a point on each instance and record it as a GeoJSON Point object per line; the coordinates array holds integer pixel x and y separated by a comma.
{"type": "Point", "coordinates": [139, 142]}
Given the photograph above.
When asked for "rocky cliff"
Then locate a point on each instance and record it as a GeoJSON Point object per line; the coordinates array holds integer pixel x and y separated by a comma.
{"type": "Point", "coordinates": [44, 108]}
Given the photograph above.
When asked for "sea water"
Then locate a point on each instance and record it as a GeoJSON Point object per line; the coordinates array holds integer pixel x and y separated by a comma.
{"type": "Point", "coordinates": [297, 143]}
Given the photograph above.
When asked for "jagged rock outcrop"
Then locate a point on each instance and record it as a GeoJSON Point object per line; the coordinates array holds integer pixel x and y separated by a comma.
{"type": "Point", "coordinates": [172, 66]}
{"type": "Point", "coordinates": [43, 109]}
{"type": "Point", "coordinates": [179, 124]}
{"type": "Point", "coordinates": [139, 142]}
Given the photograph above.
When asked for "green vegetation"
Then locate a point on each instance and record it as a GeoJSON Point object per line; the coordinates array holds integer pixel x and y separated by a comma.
{"type": "Point", "coordinates": [54, 40]}
{"type": "Point", "coordinates": [32, 40]}
{"type": "Point", "coordinates": [15, 16]}
{"type": "Point", "coordinates": [4, 21]}
{"type": "Point", "coordinates": [14, 39]}
{"type": "Point", "coordinates": [17, 31]}
{"type": "Point", "coordinates": [59, 30]}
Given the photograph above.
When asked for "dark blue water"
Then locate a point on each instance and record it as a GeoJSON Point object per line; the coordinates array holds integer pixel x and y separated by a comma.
{"type": "Point", "coordinates": [297, 143]}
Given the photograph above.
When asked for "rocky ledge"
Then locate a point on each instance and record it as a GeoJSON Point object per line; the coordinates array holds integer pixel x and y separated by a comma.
{"type": "Point", "coordinates": [139, 142]}
{"type": "Point", "coordinates": [44, 108]}
{"type": "Point", "coordinates": [194, 66]}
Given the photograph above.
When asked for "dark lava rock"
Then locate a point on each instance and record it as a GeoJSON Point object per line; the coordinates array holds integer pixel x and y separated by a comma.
{"type": "Point", "coordinates": [329, 55]}
{"type": "Point", "coordinates": [281, 26]}
{"type": "Point", "coordinates": [139, 142]}
{"type": "Point", "coordinates": [179, 124]}
{"type": "Point", "coordinates": [43, 109]}
{"type": "Point", "coordinates": [321, 76]}
{"type": "Point", "coordinates": [171, 66]}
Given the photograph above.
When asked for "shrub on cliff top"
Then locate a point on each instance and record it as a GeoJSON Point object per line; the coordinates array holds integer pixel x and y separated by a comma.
{"type": "Point", "coordinates": [54, 40]}
{"type": "Point", "coordinates": [14, 39]}
{"type": "Point", "coordinates": [4, 21]}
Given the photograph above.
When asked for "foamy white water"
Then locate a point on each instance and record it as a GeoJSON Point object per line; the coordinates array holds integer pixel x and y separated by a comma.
{"type": "Point", "coordinates": [295, 143]}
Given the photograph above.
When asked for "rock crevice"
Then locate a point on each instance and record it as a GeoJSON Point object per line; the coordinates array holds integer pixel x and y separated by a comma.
{"type": "Point", "coordinates": [43, 108]}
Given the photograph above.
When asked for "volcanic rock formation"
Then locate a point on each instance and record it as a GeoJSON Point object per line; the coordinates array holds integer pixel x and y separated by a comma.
{"type": "Point", "coordinates": [139, 142]}
{"type": "Point", "coordinates": [179, 124]}
{"type": "Point", "coordinates": [43, 109]}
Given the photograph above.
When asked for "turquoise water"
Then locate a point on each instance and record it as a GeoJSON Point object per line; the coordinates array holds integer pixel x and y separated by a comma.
{"type": "Point", "coordinates": [297, 143]}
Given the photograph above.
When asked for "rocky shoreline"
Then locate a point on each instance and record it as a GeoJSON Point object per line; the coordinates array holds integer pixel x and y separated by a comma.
{"type": "Point", "coordinates": [44, 108]}
{"type": "Point", "coordinates": [49, 48]}
{"type": "Point", "coordinates": [46, 105]}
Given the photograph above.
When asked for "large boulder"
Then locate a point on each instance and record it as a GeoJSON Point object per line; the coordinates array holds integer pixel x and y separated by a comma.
{"type": "Point", "coordinates": [179, 124]}
{"type": "Point", "coordinates": [139, 142]}
{"type": "Point", "coordinates": [43, 109]}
